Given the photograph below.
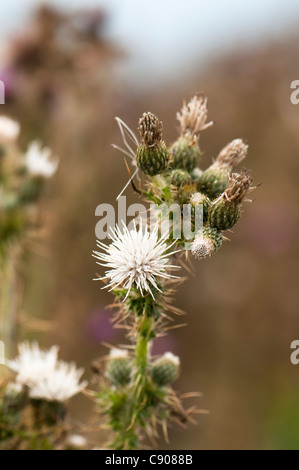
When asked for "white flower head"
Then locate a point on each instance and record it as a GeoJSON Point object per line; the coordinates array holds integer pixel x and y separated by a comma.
{"type": "Point", "coordinates": [9, 129]}
{"type": "Point", "coordinates": [39, 161]}
{"type": "Point", "coordinates": [61, 384]}
{"type": "Point", "coordinates": [135, 258]}
{"type": "Point", "coordinates": [32, 363]}
{"type": "Point", "coordinates": [46, 377]}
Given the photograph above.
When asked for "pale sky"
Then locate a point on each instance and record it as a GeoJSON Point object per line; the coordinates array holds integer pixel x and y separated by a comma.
{"type": "Point", "coordinates": [164, 36]}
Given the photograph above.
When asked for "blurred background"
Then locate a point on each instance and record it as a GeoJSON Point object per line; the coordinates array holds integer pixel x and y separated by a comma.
{"type": "Point", "coordinates": [69, 67]}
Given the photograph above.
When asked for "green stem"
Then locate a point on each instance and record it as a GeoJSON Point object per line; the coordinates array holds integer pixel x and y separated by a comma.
{"type": "Point", "coordinates": [142, 346]}
{"type": "Point", "coordinates": [6, 305]}
{"type": "Point", "coordinates": [128, 437]}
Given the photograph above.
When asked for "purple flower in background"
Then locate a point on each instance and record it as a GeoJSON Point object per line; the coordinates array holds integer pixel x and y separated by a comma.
{"type": "Point", "coordinates": [165, 344]}
{"type": "Point", "coordinates": [99, 327]}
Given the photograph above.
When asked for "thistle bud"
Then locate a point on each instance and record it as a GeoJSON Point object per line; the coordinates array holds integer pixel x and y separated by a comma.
{"type": "Point", "coordinates": [226, 210]}
{"type": "Point", "coordinates": [152, 155]}
{"type": "Point", "coordinates": [207, 241]}
{"type": "Point", "coordinates": [166, 369]}
{"type": "Point", "coordinates": [119, 367]}
{"type": "Point", "coordinates": [232, 154]}
{"type": "Point", "coordinates": [192, 118]}
{"type": "Point", "coordinates": [185, 154]}
{"type": "Point", "coordinates": [179, 178]}
{"type": "Point", "coordinates": [201, 199]}
{"type": "Point", "coordinates": [214, 180]}
{"type": "Point", "coordinates": [196, 174]}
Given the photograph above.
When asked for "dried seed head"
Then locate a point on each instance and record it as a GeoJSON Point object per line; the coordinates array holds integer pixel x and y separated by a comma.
{"type": "Point", "coordinates": [150, 129]}
{"type": "Point", "coordinates": [225, 211]}
{"type": "Point", "coordinates": [233, 153]}
{"type": "Point", "coordinates": [238, 186]}
{"type": "Point", "coordinates": [207, 241]}
{"type": "Point", "coordinates": [193, 116]}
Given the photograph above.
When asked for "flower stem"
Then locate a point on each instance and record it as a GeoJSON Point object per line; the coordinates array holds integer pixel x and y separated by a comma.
{"type": "Point", "coordinates": [7, 301]}
{"type": "Point", "coordinates": [128, 434]}
{"type": "Point", "coordinates": [142, 346]}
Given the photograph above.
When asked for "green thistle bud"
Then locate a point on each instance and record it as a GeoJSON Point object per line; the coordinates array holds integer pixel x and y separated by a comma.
{"type": "Point", "coordinates": [152, 155]}
{"type": "Point", "coordinates": [179, 178]}
{"type": "Point", "coordinates": [214, 180]}
{"type": "Point", "coordinates": [166, 369]}
{"type": "Point", "coordinates": [119, 367]}
{"type": "Point", "coordinates": [185, 153]}
{"type": "Point", "coordinates": [226, 210]}
{"type": "Point", "coordinates": [196, 174]}
{"type": "Point", "coordinates": [201, 199]}
{"type": "Point", "coordinates": [207, 241]}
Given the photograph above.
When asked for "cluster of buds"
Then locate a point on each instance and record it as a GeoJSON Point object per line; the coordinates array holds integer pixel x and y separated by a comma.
{"type": "Point", "coordinates": [22, 179]}
{"type": "Point", "coordinates": [120, 369]}
{"type": "Point", "coordinates": [136, 389]}
{"type": "Point", "coordinates": [218, 190]}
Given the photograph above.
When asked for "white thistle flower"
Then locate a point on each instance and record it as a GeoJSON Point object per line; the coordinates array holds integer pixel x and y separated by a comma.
{"type": "Point", "coordinates": [32, 364]}
{"type": "Point", "coordinates": [46, 377]}
{"type": "Point", "coordinates": [135, 257]}
{"type": "Point", "coordinates": [61, 384]}
{"type": "Point", "coordinates": [9, 129]}
{"type": "Point", "coordinates": [39, 161]}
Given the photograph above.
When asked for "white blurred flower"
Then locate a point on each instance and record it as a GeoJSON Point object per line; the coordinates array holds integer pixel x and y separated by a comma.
{"type": "Point", "coordinates": [116, 353]}
{"type": "Point", "coordinates": [135, 257]}
{"type": "Point", "coordinates": [9, 129]}
{"type": "Point", "coordinates": [39, 161]}
{"type": "Point", "coordinates": [32, 364]}
{"type": "Point", "coordinates": [47, 377]}
{"type": "Point", "coordinates": [13, 389]}
{"type": "Point", "coordinates": [77, 441]}
{"type": "Point", "coordinates": [61, 384]}
{"type": "Point", "coordinates": [172, 358]}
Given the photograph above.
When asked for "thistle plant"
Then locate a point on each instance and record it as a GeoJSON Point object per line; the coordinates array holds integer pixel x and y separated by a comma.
{"type": "Point", "coordinates": [33, 405]}
{"type": "Point", "coordinates": [22, 180]}
{"type": "Point", "coordinates": [136, 393]}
